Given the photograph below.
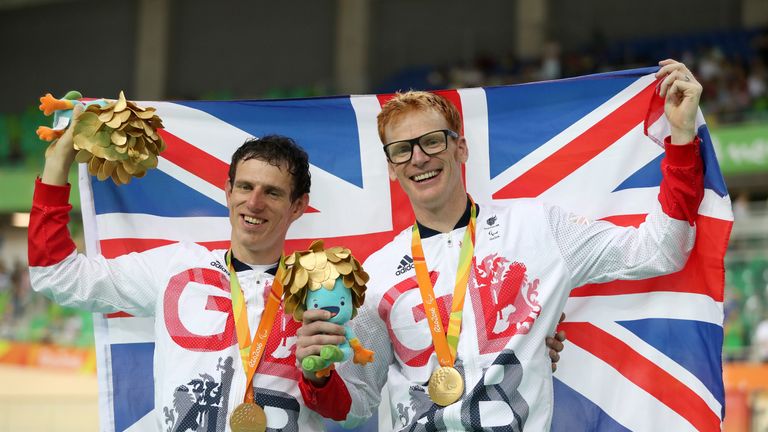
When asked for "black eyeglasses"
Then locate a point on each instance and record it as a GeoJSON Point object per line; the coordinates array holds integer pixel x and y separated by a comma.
{"type": "Point", "coordinates": [430, 143]}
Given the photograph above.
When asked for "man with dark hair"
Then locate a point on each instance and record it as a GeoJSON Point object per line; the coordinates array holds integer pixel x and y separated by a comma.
{"type": "Point", "coordinates": [211, 382]}
{"type": "Point", "coordinates": [443, 371]}
{"type": "Point", "coordinates": [279, 151]}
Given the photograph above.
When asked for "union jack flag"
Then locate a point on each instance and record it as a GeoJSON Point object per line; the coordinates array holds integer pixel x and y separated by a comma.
{"type": "Point", "coordinates": [641, 355]}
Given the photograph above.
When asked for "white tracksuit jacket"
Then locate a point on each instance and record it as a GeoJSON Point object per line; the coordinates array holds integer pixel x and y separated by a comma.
{"type": "Point", "coordinates": [528, 256]}
{"type": "Point", "coordinates": [199, 377]}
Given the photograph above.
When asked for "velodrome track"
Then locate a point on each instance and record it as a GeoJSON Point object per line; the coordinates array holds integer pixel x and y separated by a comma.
{"type": "Point", "coordinates": [33, 399]}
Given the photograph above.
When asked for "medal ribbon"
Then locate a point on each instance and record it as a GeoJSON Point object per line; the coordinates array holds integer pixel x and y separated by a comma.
{"type": "Point", "coordinates": [445, 345]}
{"type": "Point", "coordinates": [251, 352]}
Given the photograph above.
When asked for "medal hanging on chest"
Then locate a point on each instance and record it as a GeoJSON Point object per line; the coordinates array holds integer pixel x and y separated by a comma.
{"type": "Point", "coordinates": [446, 385]}
{"type": "Point", "coordinates": [248, 416]}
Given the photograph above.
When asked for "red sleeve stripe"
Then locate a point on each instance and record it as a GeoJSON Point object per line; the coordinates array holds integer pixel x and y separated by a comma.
{"type": "Point", "coordinates": [330, 401]}
{"type": "Point", "coordinates": [682, 183]}
{"type": "Point", "coordinates": [48, 238]}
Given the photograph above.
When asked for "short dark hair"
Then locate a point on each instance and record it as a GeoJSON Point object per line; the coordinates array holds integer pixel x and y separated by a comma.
{"type": "Point", "coordinates": [280, 151]}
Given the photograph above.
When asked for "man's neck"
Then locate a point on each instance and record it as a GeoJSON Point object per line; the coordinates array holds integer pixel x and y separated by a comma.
{"type": "Point", "coordinates": [445, 218]}
{"type": "Point", "coordinates": [240, 266]}
{"type": "Point", "coordinates": [248, 257]}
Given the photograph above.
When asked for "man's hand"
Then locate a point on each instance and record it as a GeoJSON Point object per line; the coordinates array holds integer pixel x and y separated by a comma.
{"type": "Point", "coordinates": [59, 160]}
{"type": "Point", "coordinates": [555, 345]}
{"type": "Point", "coordinates": [681, 93]}
{"type": "Point", "coordinates": [315, 332]}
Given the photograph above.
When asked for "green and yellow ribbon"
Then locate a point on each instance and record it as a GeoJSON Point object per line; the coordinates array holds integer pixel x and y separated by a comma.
{"type": "Point", "coordinates": [251, 351]}
{"type": "Point", "coordinates": [445, 344]}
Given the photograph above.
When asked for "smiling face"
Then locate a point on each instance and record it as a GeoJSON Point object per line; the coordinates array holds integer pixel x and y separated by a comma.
{"type": "Point", "coordinates": [433, 183]}
{"type": "Point", "coordinates": [337, 301]}
{"type": "Point", "coordinates": [261, 210]}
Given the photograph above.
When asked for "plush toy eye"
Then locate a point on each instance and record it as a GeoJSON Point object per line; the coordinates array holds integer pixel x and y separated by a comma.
{"type": "Point", "coordinates": [315, 305]}
{"type": "Point", "coordinates": [342, 301]}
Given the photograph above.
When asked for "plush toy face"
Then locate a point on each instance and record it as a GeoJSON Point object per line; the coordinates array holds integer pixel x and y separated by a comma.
{"type": "Point", "coordinates": [337, 301]}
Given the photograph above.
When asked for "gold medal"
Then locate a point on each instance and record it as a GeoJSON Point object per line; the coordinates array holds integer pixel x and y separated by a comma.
{"type": "Point", "coordinates": [445, 386]}
{"type": "Point", "coordinates": [248, 417]}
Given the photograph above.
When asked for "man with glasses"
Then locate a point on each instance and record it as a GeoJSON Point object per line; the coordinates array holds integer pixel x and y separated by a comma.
{"type": "Point", "coordinates": [431, 143]}
{"type": "Point", "coordinates": [453, 364]}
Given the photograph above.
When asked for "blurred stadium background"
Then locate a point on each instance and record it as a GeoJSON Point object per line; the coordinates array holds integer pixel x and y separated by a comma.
{"type": "Point", "coordinates": [194, 49]}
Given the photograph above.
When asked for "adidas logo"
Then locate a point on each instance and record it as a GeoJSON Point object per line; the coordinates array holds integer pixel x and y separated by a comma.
{"type": "Point", "coordinates": [406, 264]}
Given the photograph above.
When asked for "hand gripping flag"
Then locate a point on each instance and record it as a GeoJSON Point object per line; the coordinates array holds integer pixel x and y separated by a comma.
{"type": "Point", "coordinates": [641, 355]}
